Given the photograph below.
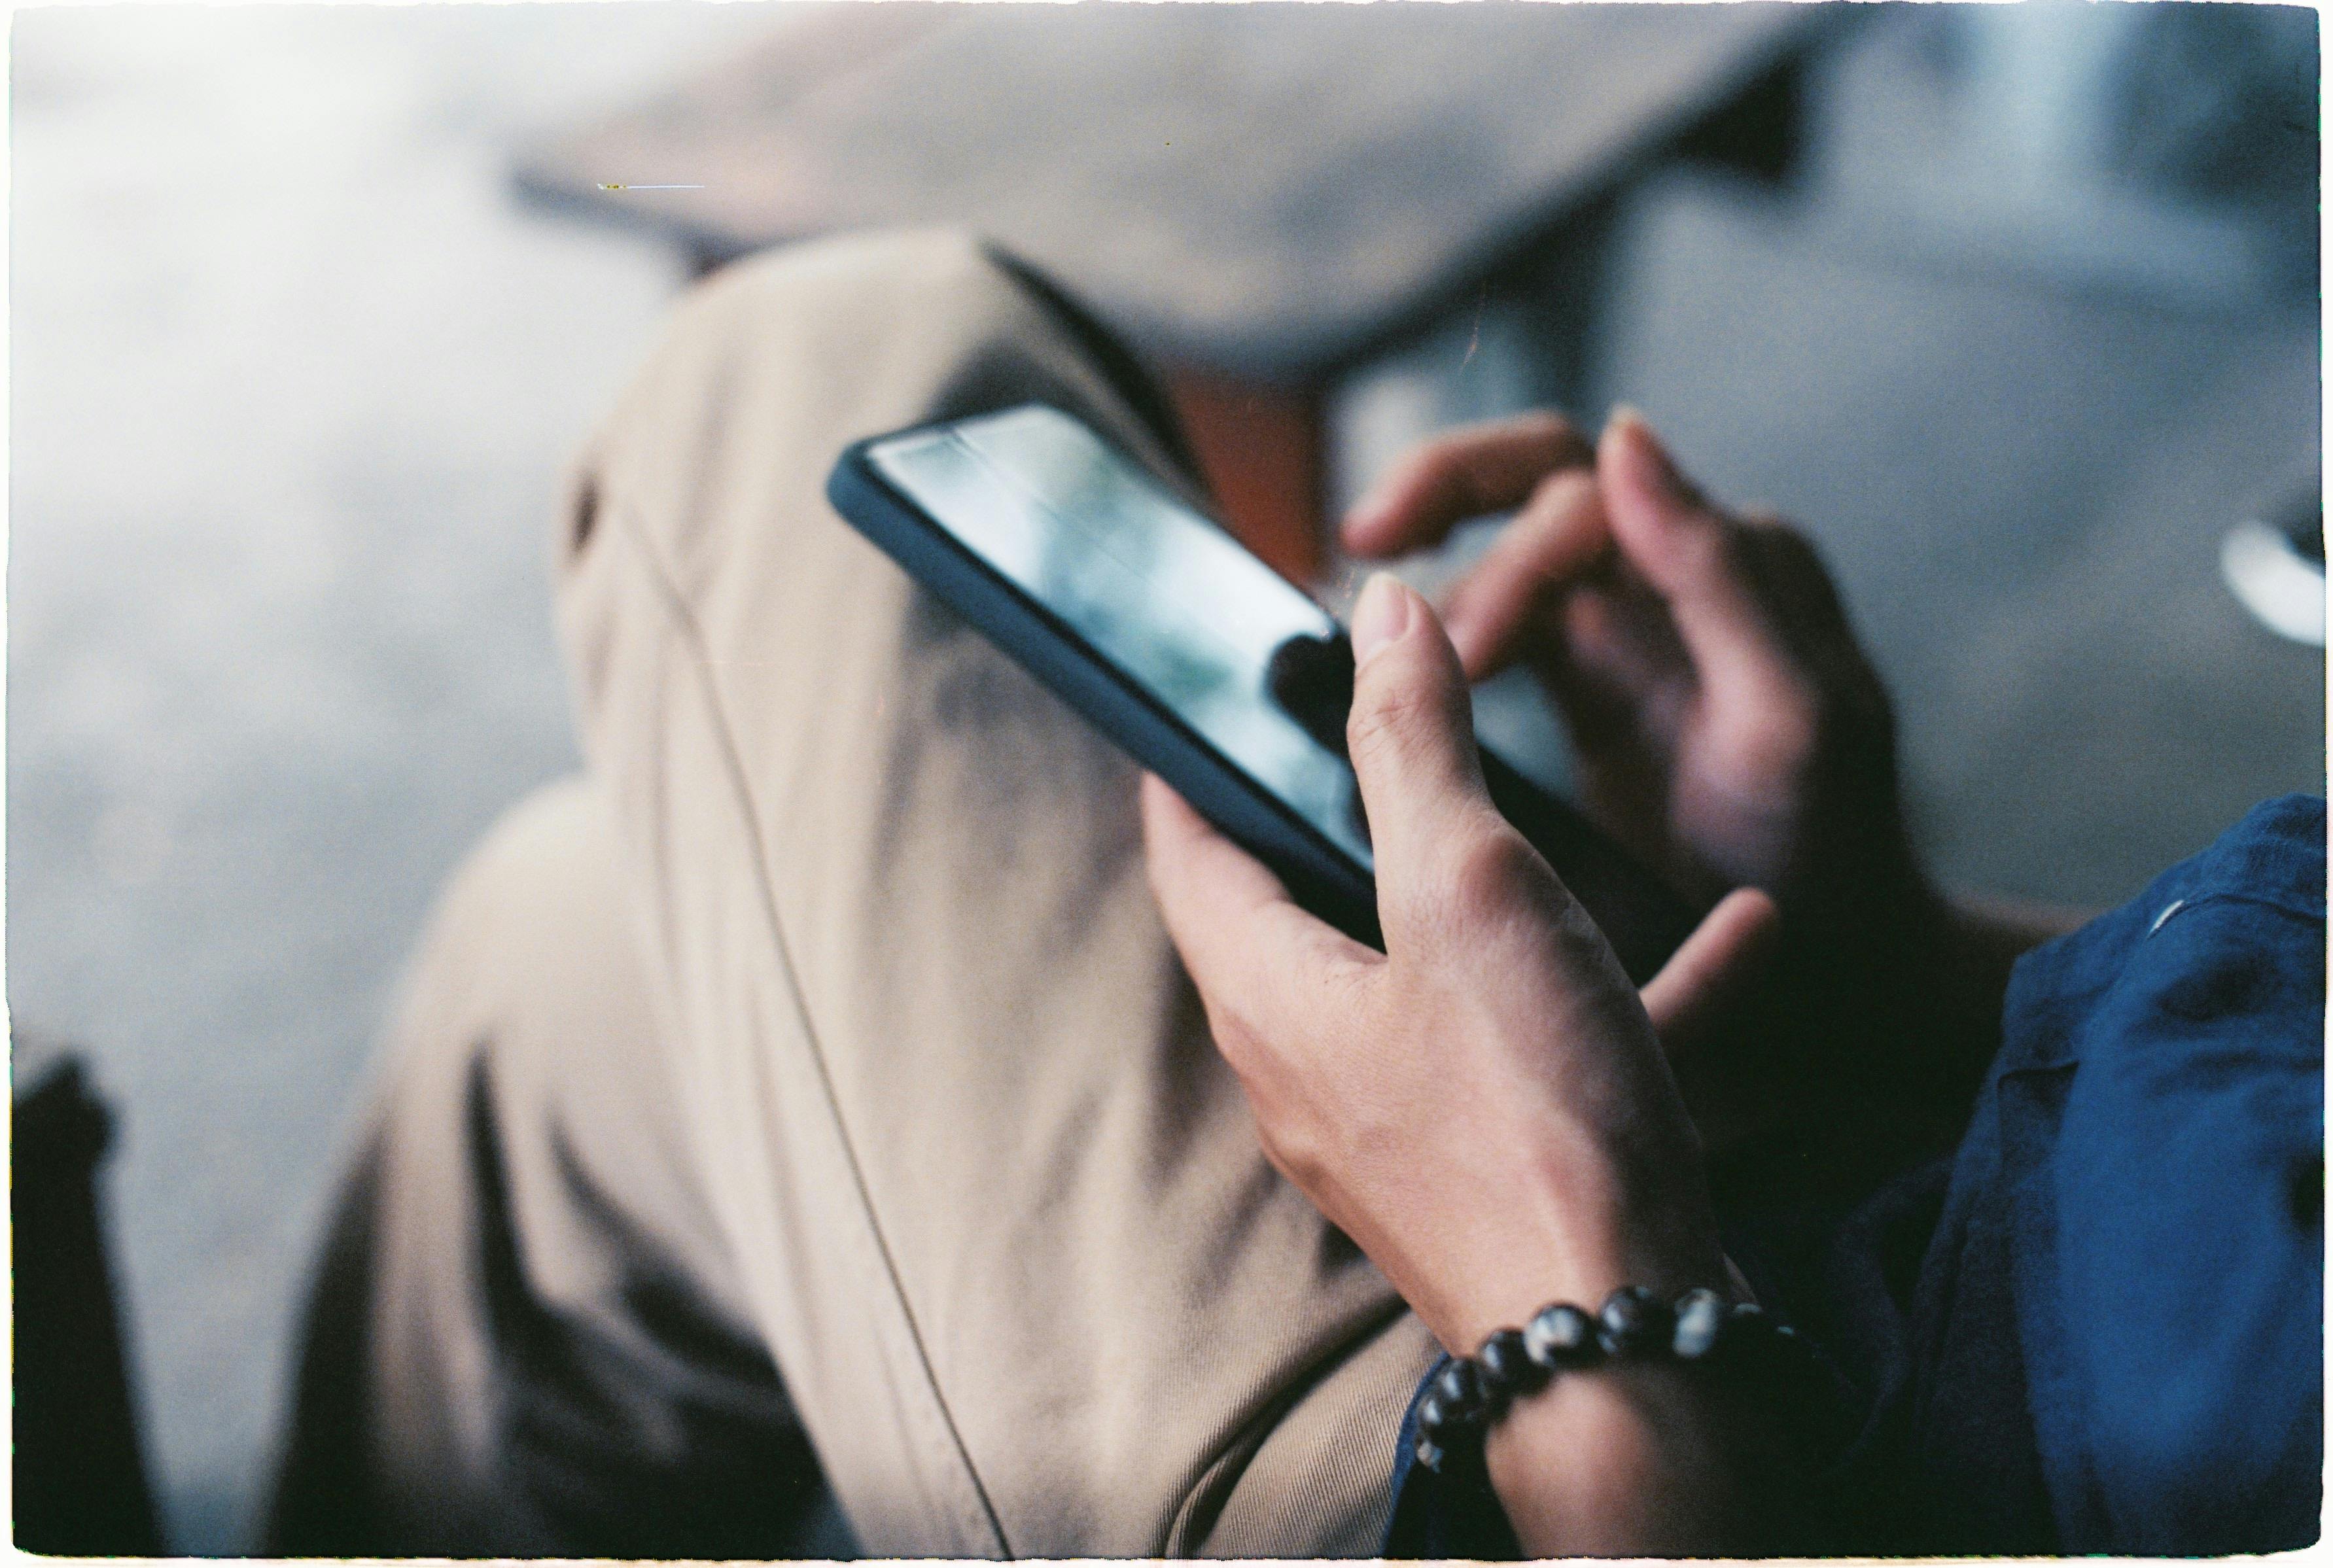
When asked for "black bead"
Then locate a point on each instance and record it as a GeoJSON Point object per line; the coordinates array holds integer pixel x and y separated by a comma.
{"type": "Point", "coordinates": [1561, 1336]}
{"type": "Point", "coordinates": [1747, 1332]}
{"type": "Point", "coordinates": [1700, 1320]}
{"type": "Point", "coordinates": [1633, 1320]}
{"type": "Point", "coordinates": [1432, 1413]}
{"type": "Point", "coordinates": [1429, 1453]}
{"type": "Point", "coordinates": [1508, 1371]}
{"type": "Point", "coordinates": [1459, 1386]}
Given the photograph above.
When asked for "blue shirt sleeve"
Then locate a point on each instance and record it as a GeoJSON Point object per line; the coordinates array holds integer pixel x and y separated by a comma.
{"type": "Point", "coordinates": [2125, 1283]}
{"type": "Point", "coordinates": [2171, 1300]}
{"type": "Point", "coordinates": [1447, 1516]}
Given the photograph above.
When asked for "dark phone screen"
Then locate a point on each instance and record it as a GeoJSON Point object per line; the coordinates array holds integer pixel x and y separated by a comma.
{"type": "Point", "coordinates": [1213, 633]}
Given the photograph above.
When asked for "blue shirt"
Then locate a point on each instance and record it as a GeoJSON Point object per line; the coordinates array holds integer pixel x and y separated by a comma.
{"type": "Point", "coordinates": [2098, 1327]}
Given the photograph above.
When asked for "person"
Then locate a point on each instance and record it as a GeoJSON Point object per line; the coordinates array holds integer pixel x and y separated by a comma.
{"type": "Point", "coordinates": [820, 1074]}
{"type": "Point", "coordinates": [2115, 1325]}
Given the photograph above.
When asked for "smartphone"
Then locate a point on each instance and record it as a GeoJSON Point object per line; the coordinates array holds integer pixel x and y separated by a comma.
{"type": "Point", "coordinates": [1199, 661]}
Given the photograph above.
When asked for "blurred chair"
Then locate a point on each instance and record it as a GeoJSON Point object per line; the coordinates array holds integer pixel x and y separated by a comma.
{"type": "Point", "coordinates": [80, 1473]}
{"type": "Point", "coordinates": [1260, 198]}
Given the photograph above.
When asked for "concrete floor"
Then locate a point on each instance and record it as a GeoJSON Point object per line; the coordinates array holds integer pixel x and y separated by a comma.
{"type": "Point", "coordinates": [292, 382]}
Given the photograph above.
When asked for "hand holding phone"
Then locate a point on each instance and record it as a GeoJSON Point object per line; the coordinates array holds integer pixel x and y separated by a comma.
{"type": "Point", "coordinates": [1190, 653]}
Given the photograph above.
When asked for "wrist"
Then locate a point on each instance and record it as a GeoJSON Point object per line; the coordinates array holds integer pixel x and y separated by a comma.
{"type": "Point", "coordinates": [1633, 1462]}
{"type": "Point", "coordinates": [1576, 1229]}
{"type": "Point", "coordinates": [1653, 1433]}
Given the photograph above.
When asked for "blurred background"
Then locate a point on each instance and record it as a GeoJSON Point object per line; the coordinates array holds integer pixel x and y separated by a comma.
{"type": "Point", "coordinates": [2015, 310]}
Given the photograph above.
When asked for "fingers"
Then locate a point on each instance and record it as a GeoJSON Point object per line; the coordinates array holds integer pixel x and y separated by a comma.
{"type": "Point", "coordinates": [1679, 544]}
{"type": "Point", "coordinates": [1614, 667]}
{"type": "Point", "coordinates": [1804, 606]}
{"type": "Point", "coordinates": [1244, 943]}
{"type": "Point", "coordinates": [1558, 533]}
{"type": "Point", "coordinates": [1411, 735]}
{"type": "Point", "coordinates": [1718, 962]}
{"type": "Point", "coordinates": [1485, 468]}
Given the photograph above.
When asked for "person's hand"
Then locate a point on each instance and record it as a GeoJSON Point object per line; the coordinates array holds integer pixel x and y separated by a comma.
{"type": "Point", "coordinates": [1484, 1106]}
{"type": "Point", "coordinates": [1727, 727]}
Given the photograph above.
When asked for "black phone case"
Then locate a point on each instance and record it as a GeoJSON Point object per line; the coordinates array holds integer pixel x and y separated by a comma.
{"type": "Point", "coordinates": [1643, 919]}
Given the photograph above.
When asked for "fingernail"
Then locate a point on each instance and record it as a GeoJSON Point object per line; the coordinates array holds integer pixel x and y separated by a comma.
{"type": "Point", "coordinates": [1381, 615]}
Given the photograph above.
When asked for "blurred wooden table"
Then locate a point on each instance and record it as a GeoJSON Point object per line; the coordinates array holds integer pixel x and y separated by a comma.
{"type": "Point", "coordinates": [1257, 197]}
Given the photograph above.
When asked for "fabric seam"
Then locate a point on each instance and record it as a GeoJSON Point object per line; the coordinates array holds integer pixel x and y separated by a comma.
{"type": "Point", "coordinates": [685, 621]}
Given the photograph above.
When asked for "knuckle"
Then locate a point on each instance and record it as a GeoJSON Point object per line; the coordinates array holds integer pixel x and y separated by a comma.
{"type": "Point", "coordinates": [1799, 556]}
{"type": "Point", "coordinates": [1430, 467]}
{"type": "Point", "coordinates": [1790, 728]}
{"type": "Point", "coordinates": [1239, 1047]}
{"type": "Point", "coordinates": [1706, 551]}
{"type": "Point", "coordinates": [1734, 545]}
{"type": "Point", "coordinates": [1424, 474]}
{"type": "Point", "coordinates": [1563, 490]}
{"type": "Point", "coordinates": [1389, 721]}
{"type": "Point", "coordinates": [1295, 1153]}
{"type": "Point", "coordinates": [1767, 524]}
{"type": "Point", "coordinates": [1471, 878]}
{"type": "Point", "coordinates": [1479, 455]}
{"type": "Point", "coordinates": [1786, 551]}
{"type": "Point", "coordinates": [1489, 865]}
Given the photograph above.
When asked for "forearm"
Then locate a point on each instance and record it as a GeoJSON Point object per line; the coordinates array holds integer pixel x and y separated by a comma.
{"type": "Point", "coordinates": [1662, 1460]}
{"type": "Point", "coordinates": [1640, 1461]}
{"type": "Point", "coordinates": [1639, 1455]}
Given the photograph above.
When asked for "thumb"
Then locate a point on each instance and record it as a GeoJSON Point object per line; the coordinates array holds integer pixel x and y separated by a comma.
{"type": "Point", "coordinates": [1705, 978]}
{"type": "Point", "coordinates": [1411, 734]}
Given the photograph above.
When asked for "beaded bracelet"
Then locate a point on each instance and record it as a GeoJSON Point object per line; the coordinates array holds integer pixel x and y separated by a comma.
{"type": "Point", "coordinates": [1472, 1393]}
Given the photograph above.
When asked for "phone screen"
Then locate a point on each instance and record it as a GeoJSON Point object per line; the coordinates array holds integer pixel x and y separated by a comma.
{"type": "Point", "coordinates": [1178, 605]}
